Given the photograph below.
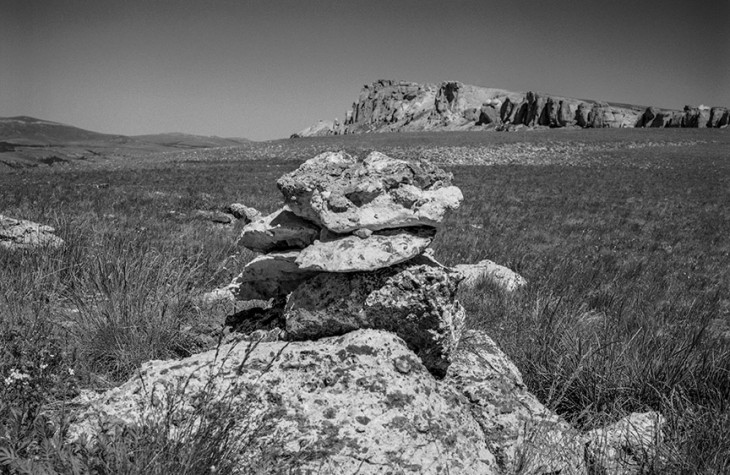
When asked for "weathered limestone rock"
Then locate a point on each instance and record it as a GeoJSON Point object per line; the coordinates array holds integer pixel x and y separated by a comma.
{"type": "Point", "coordinates": [718, 117]}
{"type": "Point", "coordinates": [694, 117]}
{"type": "Point", "coordinates": [549, 113]}
{"type": "Point", "coordinates": [343, 195]}
{"type": "Point", "coordinates": [278, 231]}
{"type": "Point", "coordinates": [243, 212]}
{"type": "Point", "coordinates": [502, 276]}
{"type": "Point", "coordinates": [415, 302]}
{"type": "Point", "coordinates": [630, 446]}
{"type": "Point", "coordinates": [489, 114]}
{"type": "Point", "coordinates": [524, 435]}
{"type": "Point", "coordinates": [566, 115]}
{"type": "Point", "coordinates": [597, 116]}
{"type": "Point", "coordinates": [535, 105]}
{"type": "Point", "coordinates": [359, 403]}
{"type": "Point", "coordinates": [582, 115]}
{"type": "Point", "coordinates": [269, 276]}
{"type": "Point", "coordinates": [266, 316]}
{"type": "Point", "coordinates": [647, 118]}
{"type": "Point", "coordinates": [353, 253]}
{"type": "Point", "coordinates": [17, 234]}
{"type": "Point", "coordinates": [506, 112]}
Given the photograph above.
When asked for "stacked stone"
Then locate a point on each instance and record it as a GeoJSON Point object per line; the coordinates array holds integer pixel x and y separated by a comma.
{"type": "Point", "coordinates": [348, 250]}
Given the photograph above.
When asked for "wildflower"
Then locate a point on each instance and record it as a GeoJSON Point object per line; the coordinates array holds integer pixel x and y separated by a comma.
{"type": "Point", "coordinates": [15, 376]}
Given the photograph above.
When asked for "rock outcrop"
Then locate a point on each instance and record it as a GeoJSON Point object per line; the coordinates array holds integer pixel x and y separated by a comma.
{"type": "Point", "coordinates": [19, 234]}
{"type": "Point", "coordinates": [359, 360]}
{"type": "Point", "coordinates": [398, 106]}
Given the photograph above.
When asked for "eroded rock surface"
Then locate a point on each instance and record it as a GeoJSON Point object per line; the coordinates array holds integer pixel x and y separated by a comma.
{"type": "Point", "coordinates": [243, 212]}
{"type": "Point", "coordinates": [524, 435]}
{"type": "Point", "coordinates": [359, 403]}
{"type": "Point", "coordinates": [502, 276]}
{"type": "Point", "coordinates": [343, 195]}
{"type": "Point", "coordinates": [278, 231]}
{"type": "Point", "coordinates": [269, 276]}
{"type": "Point", "coordinates": [17, 234]}
{"type": "Point", "coordinates": [353, 253]}
{"type": "Point", "coordinates": [415, 302]}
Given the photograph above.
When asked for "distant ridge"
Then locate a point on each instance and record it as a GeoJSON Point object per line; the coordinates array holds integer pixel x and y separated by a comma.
{"type": "Point", "coordinates": [400, 106]}
{"type": "Point", "coordinates": [180, 140]}
{"type": "Point", "coordinates": [27, 141]}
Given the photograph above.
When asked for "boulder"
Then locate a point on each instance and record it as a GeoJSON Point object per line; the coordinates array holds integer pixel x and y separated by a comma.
{"type": "Point", "coordinates": [693, 118]}
{"type": "Point", "coordinates": [521, 113]}
{"type": "Point", "coordinates": [506, 112]}
{"type": "Point", "coordinates": [415, 302]}
{"type": "Point", "coordinates": [243, 212]}
{"type": "Point", "coordinates": [582, 114]}
{"type": "Point", "coordinates": [674, 119]}
{"type": "Point", "coordinates": [278, 231]}
{"type": "Point", "coordinates": [647, 118]}
{"type": "Point", "coordinates": [566, 115]}
{"type": "Point", "coordinates": [359, 403]}
{"type": "Point", "coordinates": [523, 435]}
{"type": "Point", "coordinates": [353, 253]}
{"type": "Point", "coordinates": [19, 234]}
{"type": "Point", "coordinates": [488, 114]}
{"type": "Point", "coordinates": [630, 446]}
{"type": "Point", "coordinates": [717, 115]}
{"type": "Point", "coordinates": [662, 119]}
{"type": "Point", "coordinates": [597, 116]}
{"type": "Point", "coordinates": [342, 194]}
{"type": "Point", "coordinates": [269, 276]}
{"type": "Point", "coordinates": [535, 106]}
{"type": "Point", "coordinates": [501, 276]}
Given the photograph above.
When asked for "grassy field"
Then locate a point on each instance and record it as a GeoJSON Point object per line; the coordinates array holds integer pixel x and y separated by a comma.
{"type": "Point", "coordinates": [624, 237]}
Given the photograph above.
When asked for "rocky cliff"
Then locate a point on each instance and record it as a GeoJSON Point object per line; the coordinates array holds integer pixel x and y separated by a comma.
{"type": "Point", "coordinates": [399, 106]}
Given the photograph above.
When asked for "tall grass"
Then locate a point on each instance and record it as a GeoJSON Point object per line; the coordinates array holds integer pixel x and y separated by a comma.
{"type": "Point", "coordinates": [627, 309]}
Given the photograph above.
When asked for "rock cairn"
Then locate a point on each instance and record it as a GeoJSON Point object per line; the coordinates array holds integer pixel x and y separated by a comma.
{"type": "Point", "coordinates": [348, 251]}
{"type": "Point", "coordinates": [360, 357]}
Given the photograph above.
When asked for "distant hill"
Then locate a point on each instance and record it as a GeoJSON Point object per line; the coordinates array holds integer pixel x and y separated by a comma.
{"type": "Point", "coordinates": [400, 106]}
{"type": "Point", "coordinates": [178, 140]}
{"type": "Point", "coordinates": [23, 130]}
{"type": "Point", "coordinates": [27, 141]}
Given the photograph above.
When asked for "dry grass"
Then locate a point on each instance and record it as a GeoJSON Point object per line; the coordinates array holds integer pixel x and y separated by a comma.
{"type": "Point", "coordinates": [626, 250]}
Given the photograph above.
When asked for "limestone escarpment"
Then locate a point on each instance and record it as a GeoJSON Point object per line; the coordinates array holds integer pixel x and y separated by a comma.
{"type": "Point", "coordinates": [399, 106]}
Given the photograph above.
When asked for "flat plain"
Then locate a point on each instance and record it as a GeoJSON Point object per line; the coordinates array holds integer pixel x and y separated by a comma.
{"type": "Point", "coordinates": [623, 236]}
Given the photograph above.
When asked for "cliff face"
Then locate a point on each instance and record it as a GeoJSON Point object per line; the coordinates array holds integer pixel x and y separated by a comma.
{"type": "Point", "coordinates": [399, 106]}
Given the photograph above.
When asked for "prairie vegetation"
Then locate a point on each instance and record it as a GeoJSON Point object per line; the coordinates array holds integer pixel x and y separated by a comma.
{"type": "Point", "coordinates": [624, 239]}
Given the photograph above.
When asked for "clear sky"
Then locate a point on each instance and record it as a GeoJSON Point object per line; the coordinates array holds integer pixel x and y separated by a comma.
{"type": "Point", "coordinates": [265, 69]}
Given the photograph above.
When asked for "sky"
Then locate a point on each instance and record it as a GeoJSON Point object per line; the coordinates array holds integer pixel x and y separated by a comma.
{"type": "Point", "coordinates": [265, 69]}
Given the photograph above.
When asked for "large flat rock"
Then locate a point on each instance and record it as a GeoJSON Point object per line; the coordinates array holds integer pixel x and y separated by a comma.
{"type": "Point", "coordinates": [354, 254]}
{"type": "Point", "coordinates": [269, 276]}
{"type": "Point", "coordinates": [281, 230]}
{"type": "Point", "coordinates": [415, 302]}
{"type": "Point", "coordinates": [343, 194]}
{"type": "Point", "coordinates": [360, 403]}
